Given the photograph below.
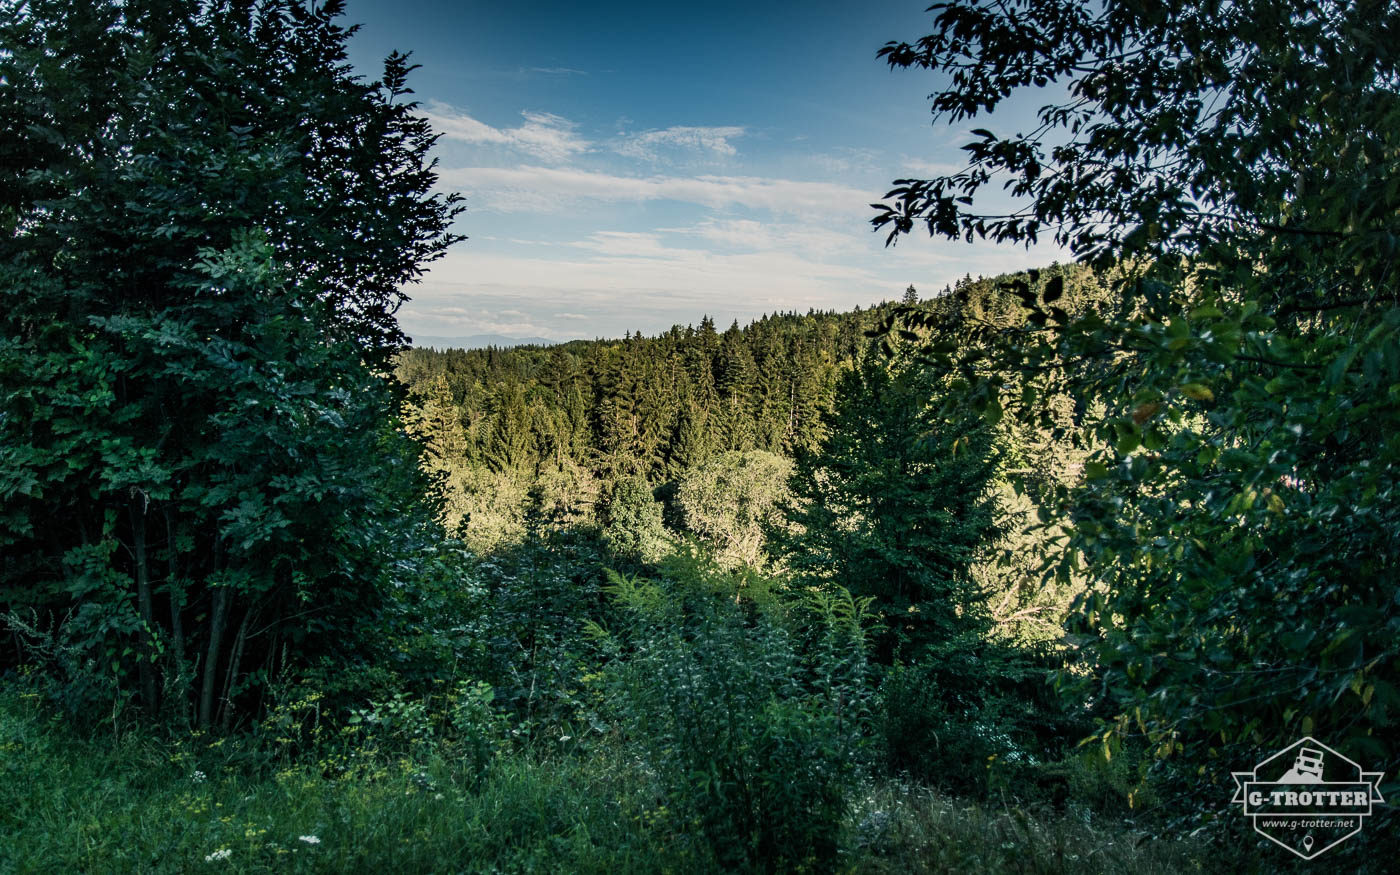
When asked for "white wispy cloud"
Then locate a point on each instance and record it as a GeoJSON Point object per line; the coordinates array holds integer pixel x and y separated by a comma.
{"type": "Point", "coordinates": [622, 289]}
{"type": "Point", "coordinates": [924, 169]}
{"type": "Point", "coordinates": [740, 244]}
{"type": "Point", "coordinates": [606, 282]}
{"type": "Point", "coordinates": [651, 145]}
{"type": "Point", "coordinates": [630, 244]}
{"type": "Point", "coordinates": [847, 161]}
{"type": "Point", "coordinates": [748, 234]}
{"type": "Point", "coordinates": [545, 136]}
{"type": "Point", "coordinates": [547, 189]}
{"type": "Point", "coordinates": [438, 318]}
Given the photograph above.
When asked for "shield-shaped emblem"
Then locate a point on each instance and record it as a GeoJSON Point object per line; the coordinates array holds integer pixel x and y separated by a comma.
{"type": "Point", "coordinates": [1307, 797]}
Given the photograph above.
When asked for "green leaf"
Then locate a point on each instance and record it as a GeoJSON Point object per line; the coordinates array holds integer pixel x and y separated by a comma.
{"type": "Point", "coordinates": [1197, 391]}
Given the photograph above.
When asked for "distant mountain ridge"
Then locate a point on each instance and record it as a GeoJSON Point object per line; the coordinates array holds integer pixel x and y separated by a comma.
{"type": "Point", "coordinates": [478, 341]}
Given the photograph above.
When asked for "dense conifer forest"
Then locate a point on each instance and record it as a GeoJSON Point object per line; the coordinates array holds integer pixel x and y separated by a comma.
{"type": "Point", "coordinates": [548, 433]}
{"type": "Point", "coordinates": [1020, 574]}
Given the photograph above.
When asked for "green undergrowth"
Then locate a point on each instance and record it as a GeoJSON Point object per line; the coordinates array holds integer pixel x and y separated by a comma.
{"type": "Point", "coordinates": [127, 803]}
{"type": "Point", "coordinates": [124, 801]}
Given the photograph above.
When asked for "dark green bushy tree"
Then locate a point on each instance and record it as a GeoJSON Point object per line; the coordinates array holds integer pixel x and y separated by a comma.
{"type": "Point", "coordinates": [1238, 526]}
{"type": "Point", "coordinates": [896, 506]}
{"type": "Point", "coordinates": [206, 220]}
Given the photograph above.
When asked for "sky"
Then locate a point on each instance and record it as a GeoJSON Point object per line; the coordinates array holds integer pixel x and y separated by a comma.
{"type": "Point", "coordinates": [630, 166]}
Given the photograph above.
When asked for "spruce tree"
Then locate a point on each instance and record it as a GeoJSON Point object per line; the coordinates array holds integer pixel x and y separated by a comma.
{"type": "Point", "coordinates": [896, 505]}
{"type": "Point", "coordinates": [735, 378]}
{"type": "Point", "coordinates": [509, 447]}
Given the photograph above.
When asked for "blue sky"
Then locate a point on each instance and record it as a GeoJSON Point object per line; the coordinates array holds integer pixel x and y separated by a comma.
{"type": "Point", "coordinates": [630, 166]}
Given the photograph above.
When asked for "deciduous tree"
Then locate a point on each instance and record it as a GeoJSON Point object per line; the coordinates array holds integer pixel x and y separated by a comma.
{"type": "Point", "coordinates": [207, 220]}
{"type": "Point", "coordinates": [1238, 161]}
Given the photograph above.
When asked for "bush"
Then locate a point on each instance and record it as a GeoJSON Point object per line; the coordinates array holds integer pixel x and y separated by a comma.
{"type": "Point", "coordinates": [634, 529]}
{"type": "Point", "coordinates": [753, 738]}
{"type": "Point", "coordinates": [972, 716]}
{"type": "Point", "coordinates": [540, 594]}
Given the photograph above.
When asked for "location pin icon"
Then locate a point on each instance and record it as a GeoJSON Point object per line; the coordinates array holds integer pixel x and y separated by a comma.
{"type": "Point", "coordinates": [1307, 843]}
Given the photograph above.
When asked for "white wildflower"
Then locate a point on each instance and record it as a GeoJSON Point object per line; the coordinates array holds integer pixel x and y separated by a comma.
{"type": "Point", "coordinates": [198, 778]}
{"type": "Point", "coordinates": [220, 854]}
{"type": "Point", "coordinates": [310, 840]}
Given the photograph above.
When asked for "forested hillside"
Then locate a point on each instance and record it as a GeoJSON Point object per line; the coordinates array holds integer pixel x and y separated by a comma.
{"type": "Point", "coordinates": [564, 424]}
{"type": "Point", "coordinates": [548, 433]}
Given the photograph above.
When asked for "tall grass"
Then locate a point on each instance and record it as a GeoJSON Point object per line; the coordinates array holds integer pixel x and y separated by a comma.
{"type": "Point", "coordinates": [127, 803]}
{"type": "Point", "coordinates": [124, 802]}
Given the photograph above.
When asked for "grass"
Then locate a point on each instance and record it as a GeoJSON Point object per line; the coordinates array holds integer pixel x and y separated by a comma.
{"type": "Point", "coordinates": [907, 828]}
{"type": "Point", "coordinates": [124, 802]}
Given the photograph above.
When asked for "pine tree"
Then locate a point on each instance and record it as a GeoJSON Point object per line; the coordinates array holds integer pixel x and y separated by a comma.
{"type": "Point", "coordinates": [509, 445]}
{"type": "Point", "coordinates": [734, 380]}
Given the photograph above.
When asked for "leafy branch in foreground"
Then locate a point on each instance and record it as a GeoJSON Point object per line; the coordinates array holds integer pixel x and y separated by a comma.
{"type": "Point", "coordinates": [1230, 168]}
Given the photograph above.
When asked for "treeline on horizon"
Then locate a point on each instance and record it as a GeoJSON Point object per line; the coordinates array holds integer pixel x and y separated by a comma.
{"type": "Point", "coordinates": [532, 435]}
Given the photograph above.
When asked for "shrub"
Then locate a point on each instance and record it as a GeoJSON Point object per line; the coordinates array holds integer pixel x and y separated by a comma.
{"type": "Point", "coordinates": [753, 737]}
{"type": "Point", "coordinates": [634, 529]}
{"type": "Point", "coordinates": [972, 716]}
{"type": "Point", "coordinates": [540, 594]}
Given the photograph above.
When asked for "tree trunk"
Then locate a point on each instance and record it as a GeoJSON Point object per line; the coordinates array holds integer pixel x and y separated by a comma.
{"type": "Point", "coordinates": [177, 626]}
{"type": "Point", "coordinates": [218, 619]}
{"type": "Point", "coordinates": [226, 705]}
{"type": "Point", "coordinates": [145, 664]}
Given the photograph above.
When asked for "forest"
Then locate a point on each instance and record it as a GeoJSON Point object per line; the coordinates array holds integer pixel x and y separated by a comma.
{"type": "Point", "coordinates": [1017, 574]}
